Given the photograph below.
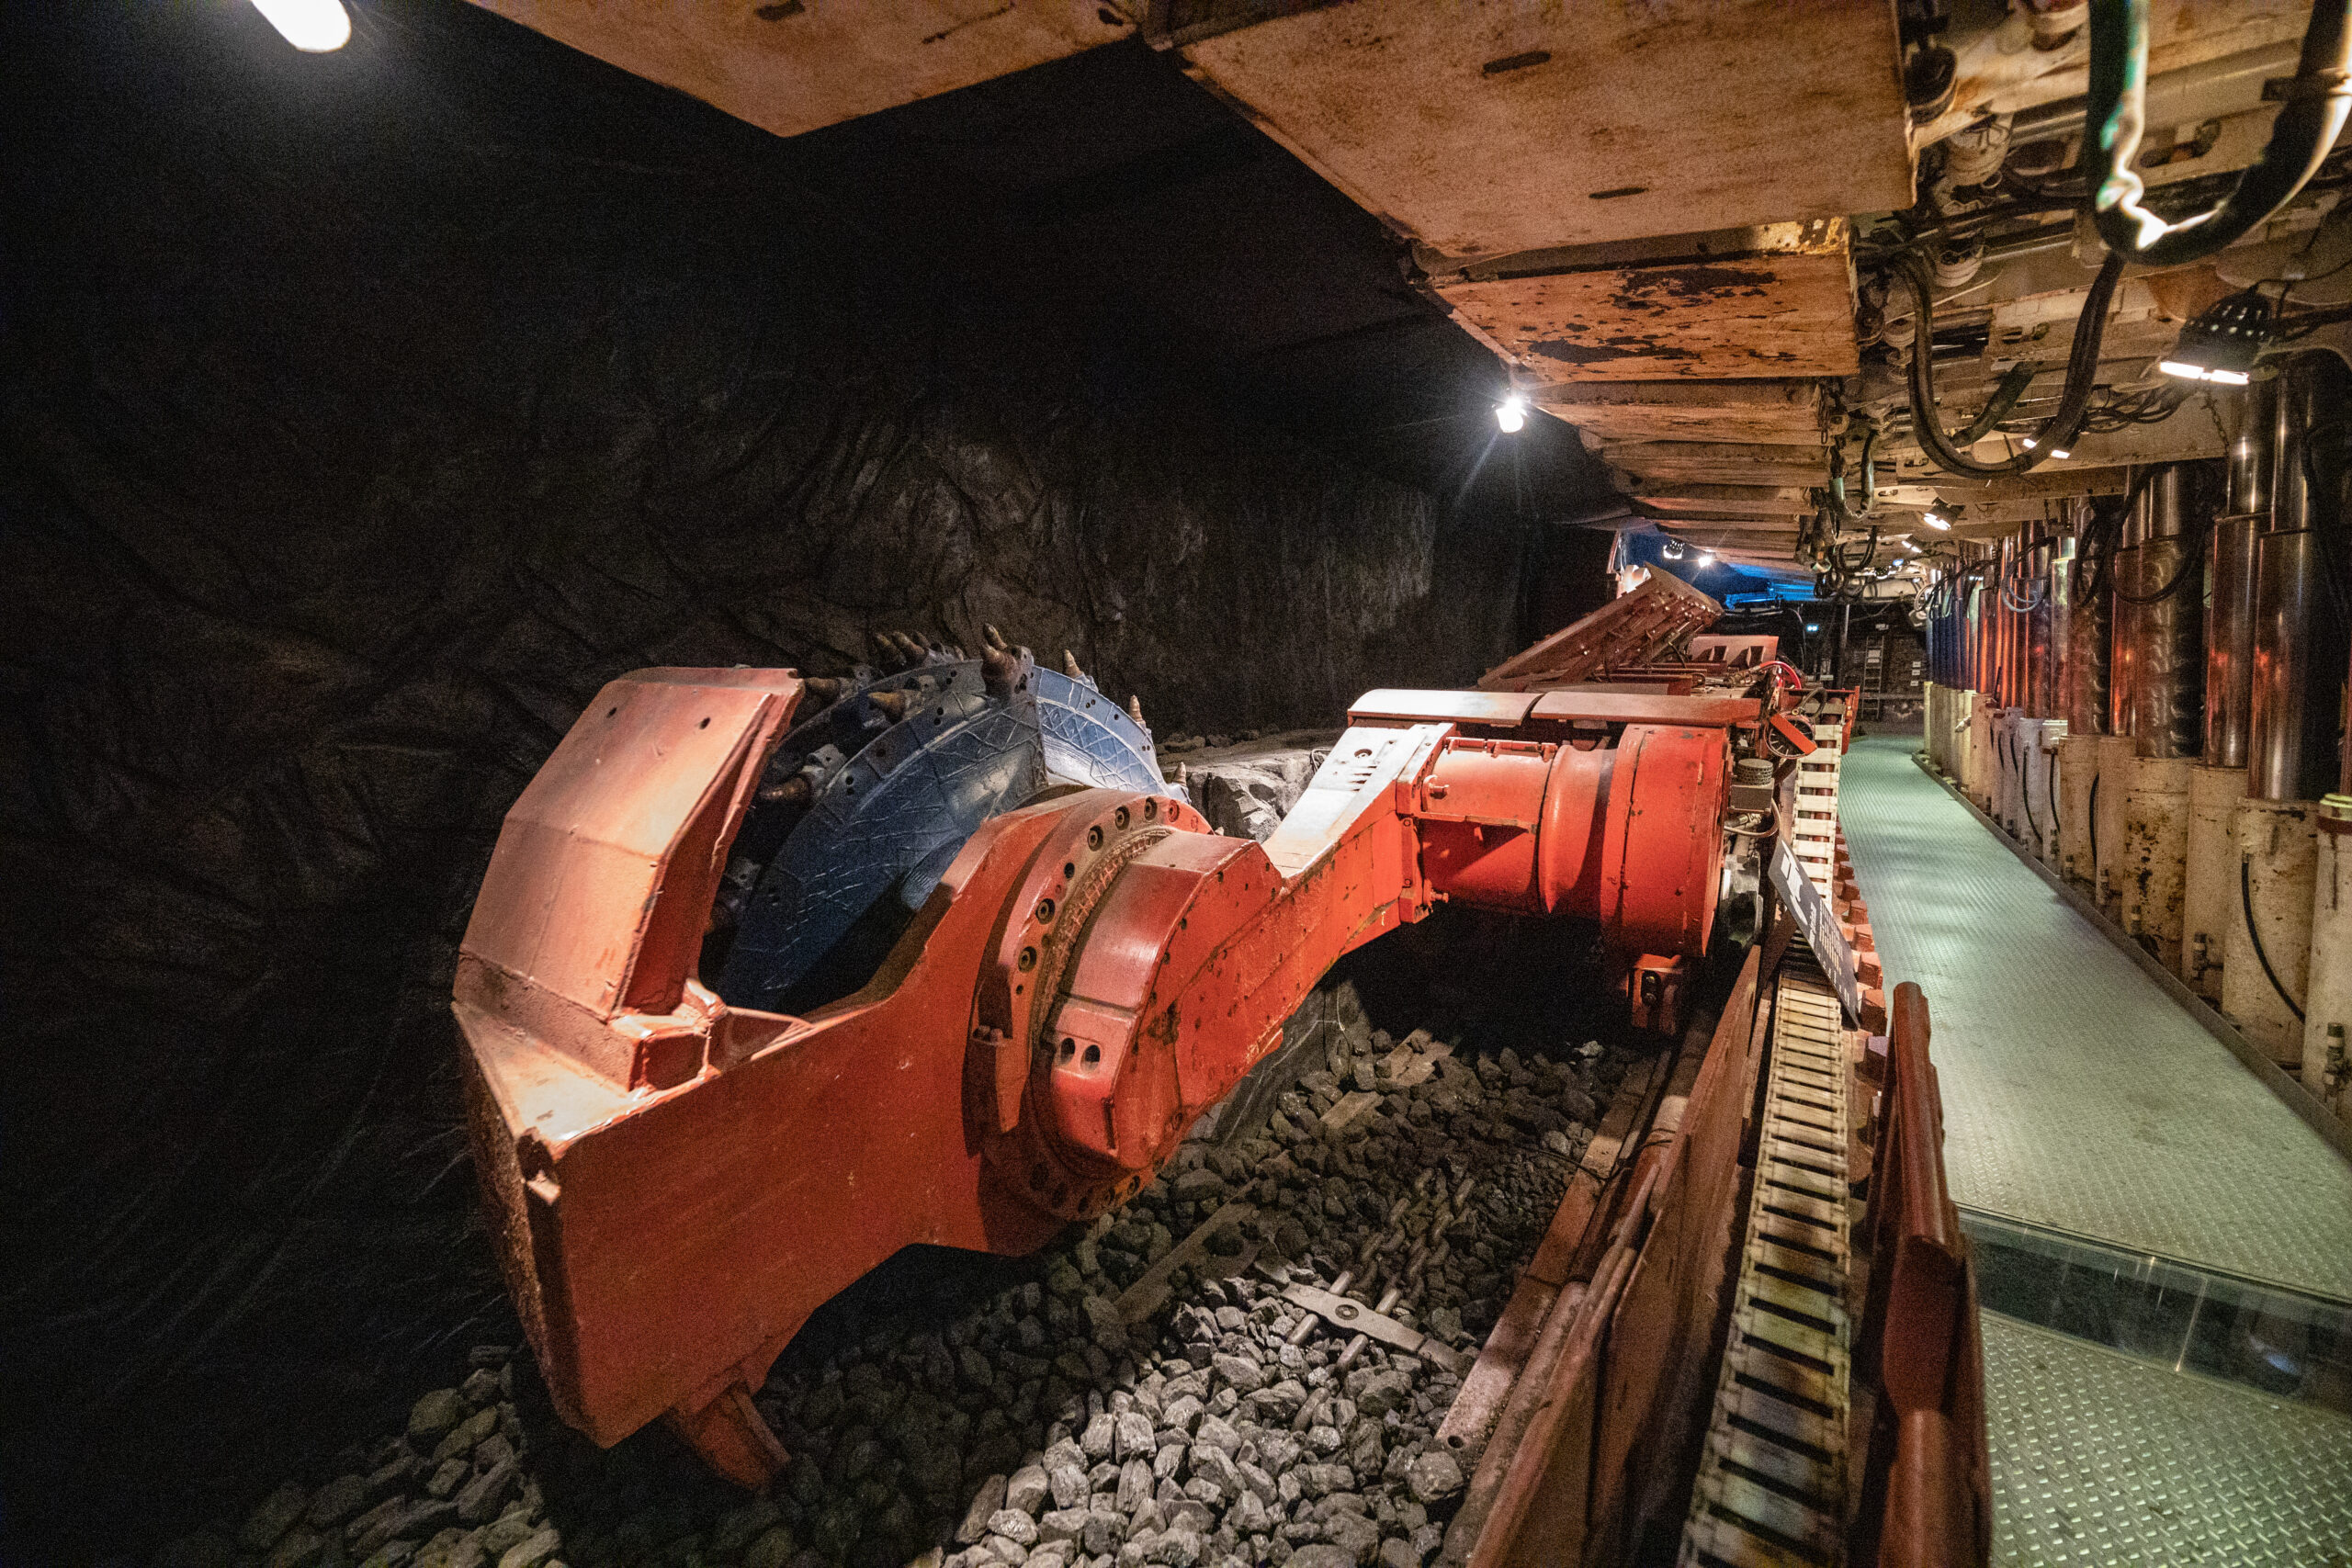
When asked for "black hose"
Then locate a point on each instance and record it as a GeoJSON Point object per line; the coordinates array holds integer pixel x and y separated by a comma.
{"type": "Point", "coordinates": [2005, 398]}
{"type": "Point", "coordinates": [2097, 553]}
{"type": "Point", "coordinates": [2073, 403]}
{"type": "Point", "coordinates": [2245, 897]}
{"type": "Point", "coordinates": [2318, 95]}
{"type": "Point", "coordinates": [2193, 560]}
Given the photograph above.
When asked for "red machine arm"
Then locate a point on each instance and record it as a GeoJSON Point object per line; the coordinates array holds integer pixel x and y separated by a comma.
{"type": "Point", "coordinates": [678, 1184]}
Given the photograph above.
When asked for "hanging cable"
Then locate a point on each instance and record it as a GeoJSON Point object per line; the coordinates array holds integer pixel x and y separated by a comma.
{"type": "Point", "coordinates": [2073, 403]}
{"type": "Point", "coordinates": [2318, 95]}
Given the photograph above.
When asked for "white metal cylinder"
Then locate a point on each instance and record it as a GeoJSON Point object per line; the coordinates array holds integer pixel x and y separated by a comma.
{"type": "Point", "coordinates": [2327, 995]}
{"type": "Point", "coordinates": [2155, 853]}
{"type": "Point", "coordinates": [2041, 791]}
{"type": "Point", "coordinates": [2021, 761]}
{"type": "Point", "coordinates": [2077, 772]}
{"type": "Point", "coordinates": [2117, 756]}
{"type": "Point", "coordinates": [1979, 778]}
{"type": "Point", "coordinates": [1996, 768]}
{"type": "Point", "coordinates": [2277, 854]}
{"type": "Point", "coordinates": [1958, 731]}
{"type": "Point", "coordinates": [1937, 742]}
{"type": "Point", "coordinates": [2209, 895]}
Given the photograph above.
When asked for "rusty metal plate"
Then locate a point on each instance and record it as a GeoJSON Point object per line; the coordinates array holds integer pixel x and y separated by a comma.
{"type": "Point", "coordinates": [1766, 314]}
{"type": "Point", "coordinates": [1353, 1317]}
{"type": "Point", "coordinates": [1644, 707]}
{"type": "Point", "coordinates": [1494, 126]}
{"type": "Point", "coordinates": [796, 66]}
{"type": "Point", "coordinates": [1500, 710]}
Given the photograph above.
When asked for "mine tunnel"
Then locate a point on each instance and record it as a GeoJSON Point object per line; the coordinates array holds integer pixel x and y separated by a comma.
{"type": "Point", "coordinates": [1177, 784]}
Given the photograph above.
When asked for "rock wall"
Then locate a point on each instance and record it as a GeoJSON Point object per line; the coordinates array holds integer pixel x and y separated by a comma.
{"type": "Point", "coordinates": [351, 446]}
{"type": "Point", "coordinates": [1246, 788]}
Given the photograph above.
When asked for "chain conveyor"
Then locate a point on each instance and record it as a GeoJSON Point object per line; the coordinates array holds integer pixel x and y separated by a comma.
{"type": "Point", "coordinates": [1771, 1486]}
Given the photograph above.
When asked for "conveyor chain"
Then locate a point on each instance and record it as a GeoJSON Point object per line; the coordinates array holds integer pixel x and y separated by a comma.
{"type": "Point", "coordinates": [1771, 1486]}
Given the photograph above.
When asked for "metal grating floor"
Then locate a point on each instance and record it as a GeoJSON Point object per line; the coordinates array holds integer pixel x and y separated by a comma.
{"type": "Point", "coordinates": [2078, 1096]}
{"type": "Point", "coordinates": [2100, 1459]}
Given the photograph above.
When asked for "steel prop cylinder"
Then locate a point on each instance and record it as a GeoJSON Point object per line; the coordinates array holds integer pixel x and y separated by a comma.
{"type": "Point", "coordinates": [1936, 722]}
{"type": "Point", "coordinates": [2300, 644]}
{"type": "Point", "coordinates": [2077, 778]}
{"type": "Point", "coordinates": [2265, 964]}
{"type": "Point", "coordinates": [2042, 794]}
{"type": "Point", "coordinates": [2111, 783]}
{"type": "Point", "coordinates": [2040, 623]}
{"type": "Point", "coordinates": [2089, 654]}
{"type": "Point", "coordinates": [2123, 620]}
{"type": "Point", "coordinates": [1982, 773]}
{"type": "Point", "coordinates": [2210, 882]}
{"type": "Point", "coordinates": [2168, 627]}
{"type": "Point", "coordinates": [2229, 640]}
{"type": "Point", "coordinates": [2155, 853]}
{"type": "Point", "coordinates": [2327, 995]}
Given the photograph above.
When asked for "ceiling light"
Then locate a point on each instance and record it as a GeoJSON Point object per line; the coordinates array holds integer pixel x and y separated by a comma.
{"type": "Point", "coordinates": [1673, 550]}
{"type": "Point", "coordinates": [1510, 415]}
{"type": "Point", "coordinates": [2222, 343]}
{"type": "Point", "coordinates": [1706, 558]}
{"type": "Point", "coordinates": [315, 27]}
{"type": "Point", "coordinates": [1932, 521]}
{"type": "Point", "coordinates": [2027, 441]}
{"type": "Point", "coordinates": [2060, 452]}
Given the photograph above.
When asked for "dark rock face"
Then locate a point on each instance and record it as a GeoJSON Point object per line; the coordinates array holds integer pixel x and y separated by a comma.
{"type": "Point", "coordinates": [356, 437]}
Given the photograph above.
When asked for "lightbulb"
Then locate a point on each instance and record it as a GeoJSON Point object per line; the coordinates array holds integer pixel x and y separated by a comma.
{"type": "Point", "coordinates": [1672, 550]}
{"type": "Point", "coordinates": [2227, 377]}
{"type": "Point", "coordinates": [2060, 452]}
{"type": "Point", "coordinates": [1510, 415]}
{"type": "Point", "coordinates": [315, 27]}
{"type": "Point", "coordinates": [1706, 558]}
{"type": "Point", "coordinates": [2187, 372]}
{"type": "Point", "coordinates": [1813, 625]}
{"type": "Point", "coordinates": [1932, 521]}
{"type": "Point", "coordinates": [2028, 440]}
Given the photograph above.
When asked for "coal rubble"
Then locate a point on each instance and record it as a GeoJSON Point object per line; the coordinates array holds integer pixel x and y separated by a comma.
{"type": "Point", "coordinates": [1038, 1428]}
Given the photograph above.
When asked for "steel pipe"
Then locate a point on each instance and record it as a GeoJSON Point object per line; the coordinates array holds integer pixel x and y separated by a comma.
{"type": "Point", "coordinates": [2300, 647]}
{"type": "Point", "coordinates": [2228, 639]}
{"type": "Point", "coordinates": [2167, 633]}
{"type": "Point", "coordinates": [2123, 618]}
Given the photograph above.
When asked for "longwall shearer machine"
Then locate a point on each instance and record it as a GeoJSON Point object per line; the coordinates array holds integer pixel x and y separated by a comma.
{"type": "Point", "coordinates": [690, 1138]}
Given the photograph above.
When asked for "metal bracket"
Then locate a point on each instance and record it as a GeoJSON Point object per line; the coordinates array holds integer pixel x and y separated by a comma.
{"type": "Point", "coordinates": [1354, 1317]}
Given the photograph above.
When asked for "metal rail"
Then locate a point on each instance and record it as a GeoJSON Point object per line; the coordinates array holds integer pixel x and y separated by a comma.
{"type": "Point", "coordinates": [1771, 1486]}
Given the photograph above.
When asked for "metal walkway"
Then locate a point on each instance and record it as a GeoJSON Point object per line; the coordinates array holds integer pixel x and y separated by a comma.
{"type": "Point", "coordinates": [2101, 1458]}
{"type": "Point", "coordinates": [2078, 1096]}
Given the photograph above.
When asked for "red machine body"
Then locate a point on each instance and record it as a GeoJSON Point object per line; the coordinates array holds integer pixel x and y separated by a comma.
{"type": "Point", "coordinates": [678, 1184]}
